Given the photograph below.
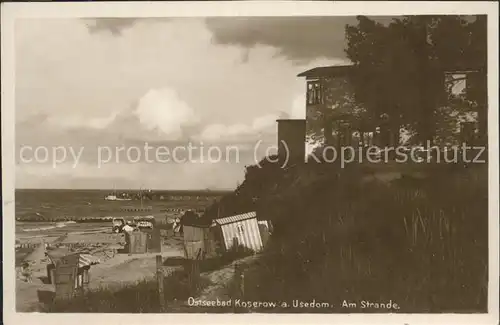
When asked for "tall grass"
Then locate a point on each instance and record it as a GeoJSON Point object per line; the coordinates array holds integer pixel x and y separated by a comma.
{"type": "Point", "coordinates": [225, 258]}
{"type": "Point", "coordinates": [140, 297]}
{"type": "Point", "coordinates": [422, 245]}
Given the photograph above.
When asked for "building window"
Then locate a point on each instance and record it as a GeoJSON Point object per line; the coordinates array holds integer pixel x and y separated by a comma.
{"type": "Point", "coordinates": [240, 229]}
{"type": "Point", "coordinates": [456, 83]}
{"type": "Point", "coordinates": [314, 95]}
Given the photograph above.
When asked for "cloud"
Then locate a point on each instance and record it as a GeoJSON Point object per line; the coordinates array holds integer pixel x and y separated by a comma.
{"type": "Point", "coordinates": [220, 131]}
{"type": "Point", "coordinates": [261, 127]}
{"type": "Point", "coordinates": [240, 131]}
{"type": "Point", "coordinates": [299, 107]}
{"type": "Point", "coordinates": [158, 115]}
{"type": "Point", "coordinates": [163, 111]}
{"type": "Point", "coordinates": [155, 176]}
{"type": "Point", "coordinates": [115, 26]}
{"type": "Point", "coordinates": [77, 122]}
{"type": "Point", "coordinates": [157, 82]}
{"type": "Point", "coordinates": [264, 122]}
{"type": "Point", "coordinates": [320, 36]}
{"type": "Point", "coordinates": [298, 38]}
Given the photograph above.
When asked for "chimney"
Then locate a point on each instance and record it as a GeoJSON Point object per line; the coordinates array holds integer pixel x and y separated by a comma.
{"type": "Point", "coordinates": [292, 134]}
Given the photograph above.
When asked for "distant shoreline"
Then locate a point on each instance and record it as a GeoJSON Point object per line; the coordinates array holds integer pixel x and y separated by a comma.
{"type": "Point", "coordinates": [201, 191]}
{"type": "Point", "coordinates": [67, 219]}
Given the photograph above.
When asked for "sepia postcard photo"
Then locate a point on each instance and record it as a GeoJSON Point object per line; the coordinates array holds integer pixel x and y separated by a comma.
{"type": "Point", "coordinates": [247, 161]}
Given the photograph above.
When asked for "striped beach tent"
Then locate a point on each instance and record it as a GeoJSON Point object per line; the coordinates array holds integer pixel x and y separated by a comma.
{"type": "Point", "coordinates": [87, 260]}
{"type": "Point", "coordinates": [242, 229]}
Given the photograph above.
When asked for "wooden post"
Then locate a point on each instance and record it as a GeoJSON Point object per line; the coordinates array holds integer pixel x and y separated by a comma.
{"type": "Point", "coordinates": [236, 244]}
{"type": "Point", "coordinates": [242, 282]}
{"type": "Point", "coordinates": [238, 285]}
{"type": "Point", "coordinates": [159, 277]}
{"type": "Point", "coordinates": [194, 274]}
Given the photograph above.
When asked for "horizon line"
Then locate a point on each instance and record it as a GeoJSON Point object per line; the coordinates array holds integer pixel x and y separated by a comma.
{"type": "Point", "coordinates": [127, 189]}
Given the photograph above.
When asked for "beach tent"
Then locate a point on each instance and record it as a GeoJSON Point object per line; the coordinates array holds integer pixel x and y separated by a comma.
{"type": "Point", "coordinates": [82, 262]}
{"type": "Point", "coordinates": [69, 272]}
{"type": "Point", "coordinates": [153, 240]}
{"type": "Point", "coordinates": [136, 242]}
{"type": "Point", "coordinates": [198, 238]}
{"type": "Point", "coordinates": [242, 229]}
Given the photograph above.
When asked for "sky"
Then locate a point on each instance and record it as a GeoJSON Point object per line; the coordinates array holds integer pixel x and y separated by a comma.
{"type": "Point", "coordinates": [87, 87]}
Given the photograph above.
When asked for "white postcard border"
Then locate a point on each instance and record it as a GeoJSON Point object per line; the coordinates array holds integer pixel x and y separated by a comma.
{"type": "Point", "coordinates": [13, 11]}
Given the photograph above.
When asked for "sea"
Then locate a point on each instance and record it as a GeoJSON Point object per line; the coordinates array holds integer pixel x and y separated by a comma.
{"type": "Point", "coordinates": [90, 203]}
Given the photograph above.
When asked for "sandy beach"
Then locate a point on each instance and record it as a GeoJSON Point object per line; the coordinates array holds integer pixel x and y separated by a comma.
{"type": "Point", "coordinates": [93, 238]}
{"type": "Point", "coordinates": [114, 269]}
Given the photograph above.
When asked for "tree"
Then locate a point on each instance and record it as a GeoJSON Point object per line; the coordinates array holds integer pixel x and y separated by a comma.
{"type": "Point", "coordinates": [370, 48]}
{"type": "Point", "coordinates": [395, 75]}
{"type": "Point", "coordinates": [400, 67]}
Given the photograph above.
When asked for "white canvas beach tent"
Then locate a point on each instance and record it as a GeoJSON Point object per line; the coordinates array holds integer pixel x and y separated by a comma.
{"type": "Point", "coordinates": [242, 227]}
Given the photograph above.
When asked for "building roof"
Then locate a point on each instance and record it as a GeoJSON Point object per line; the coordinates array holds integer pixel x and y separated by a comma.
{"type": "Point", "coordinates": [344, 70]}
{"type": "Point", "coordinates": [458, 71]}
{"type": "Point", "coordinates": [83, 259]}
{"type": "Point", "coordinates": [330, 71]}
{"type": "Point", "coordinates": [236, 218]}
{"type": "Point", "coordinates": [87, 260]}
